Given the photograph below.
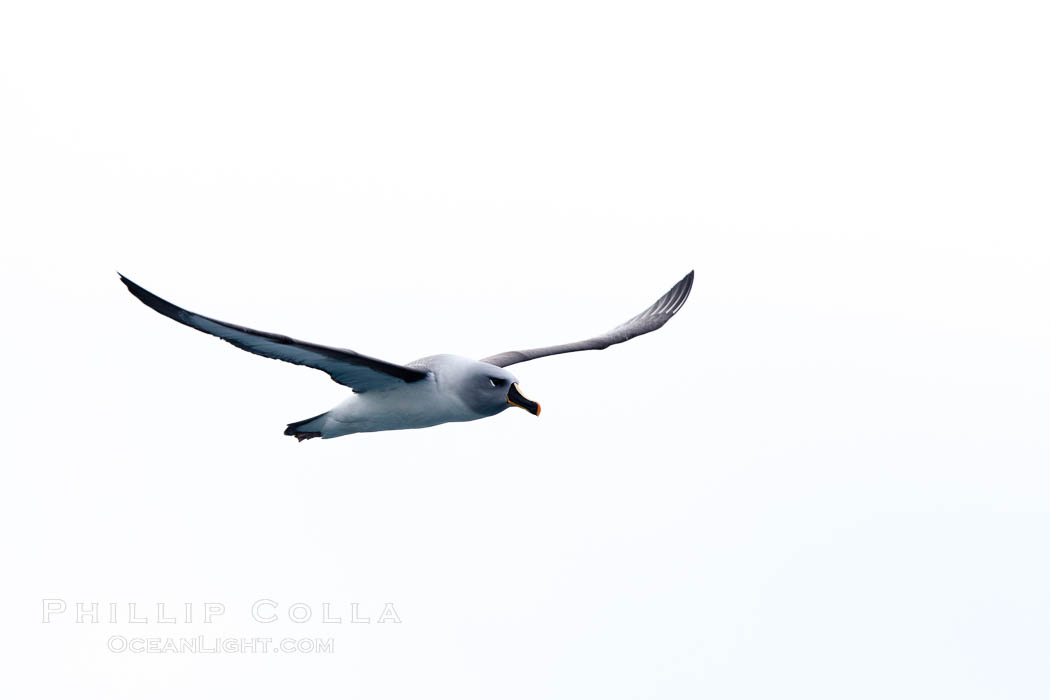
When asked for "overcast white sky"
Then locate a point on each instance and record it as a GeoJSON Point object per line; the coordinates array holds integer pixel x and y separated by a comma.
{"type": "Point", "coordinates": [827, 477]}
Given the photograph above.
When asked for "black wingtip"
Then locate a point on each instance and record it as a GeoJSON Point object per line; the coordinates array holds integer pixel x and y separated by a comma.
{"type": "Point", "coordinates": [153, 301]}
{"type": "Point", "coordinates": [673, 300]}
{"type": "Point", "coordinates": [132, 287]}
{"type": "Point", "coordinates": [688, 279]}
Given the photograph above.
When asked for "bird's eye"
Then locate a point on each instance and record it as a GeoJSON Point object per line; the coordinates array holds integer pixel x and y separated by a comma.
{"type": "Point", "coordinates": [496, 381]}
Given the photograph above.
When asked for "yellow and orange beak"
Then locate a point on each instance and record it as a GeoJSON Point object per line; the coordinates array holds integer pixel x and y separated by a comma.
{"type": "Point", "coordinates": [515, 398]}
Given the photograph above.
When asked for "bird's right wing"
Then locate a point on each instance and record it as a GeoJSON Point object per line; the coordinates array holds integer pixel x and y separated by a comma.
{"type": "Point", "coordinates": [352, 369]}
{"type": "Point", "coordinates": [646, 322]}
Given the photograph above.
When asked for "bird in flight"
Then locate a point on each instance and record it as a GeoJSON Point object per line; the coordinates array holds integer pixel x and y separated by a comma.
{"type": "Point", "coordinates": [430, 391]}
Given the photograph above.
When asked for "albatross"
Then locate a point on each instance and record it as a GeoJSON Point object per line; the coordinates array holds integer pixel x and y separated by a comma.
{"type": "Point", "coordinates": [429, 391]}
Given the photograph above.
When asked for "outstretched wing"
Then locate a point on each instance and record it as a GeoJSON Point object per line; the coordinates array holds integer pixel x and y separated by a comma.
{"type": "Point", "coordinates": [645, 322]}
{"type": "Point", "coordinates": [357, 371]}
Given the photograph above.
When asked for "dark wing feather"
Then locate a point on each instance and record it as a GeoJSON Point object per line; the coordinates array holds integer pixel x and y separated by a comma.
{"type": "Point", "coordinates": [646, 322]}
{"type": "Point", "coordinates": [352, 369]}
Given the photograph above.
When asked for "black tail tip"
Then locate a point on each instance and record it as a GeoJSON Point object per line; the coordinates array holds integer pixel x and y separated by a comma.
{"type": "Point", "coordinates": [294, 430]}
{"type": "Point", "coordinates": [300, 435]}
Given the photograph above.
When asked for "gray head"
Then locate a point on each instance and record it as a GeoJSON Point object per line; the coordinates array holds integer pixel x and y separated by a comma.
{"type": "Point", "coordinates": [486, 389]}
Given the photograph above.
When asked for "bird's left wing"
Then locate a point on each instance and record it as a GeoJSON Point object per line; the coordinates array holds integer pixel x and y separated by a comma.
{"type": "Point", "coordinates": [352, 369]}
{"type": "Point", "coordinates": [648, 321]}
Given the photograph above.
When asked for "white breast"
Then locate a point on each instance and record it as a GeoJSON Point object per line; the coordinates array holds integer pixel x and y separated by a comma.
{"type": "Point", "coordinates": [415, 405]}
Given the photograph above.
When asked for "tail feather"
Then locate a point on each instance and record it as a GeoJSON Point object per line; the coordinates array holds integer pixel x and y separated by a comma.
{"type": "Point", "coordinates": [300, 430]}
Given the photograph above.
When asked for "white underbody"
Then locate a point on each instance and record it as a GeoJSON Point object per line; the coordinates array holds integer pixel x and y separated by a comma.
{"type": "Point", "coordinates": [455, 389]}
{"type": "Point", "coordinates": [417, 405]}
